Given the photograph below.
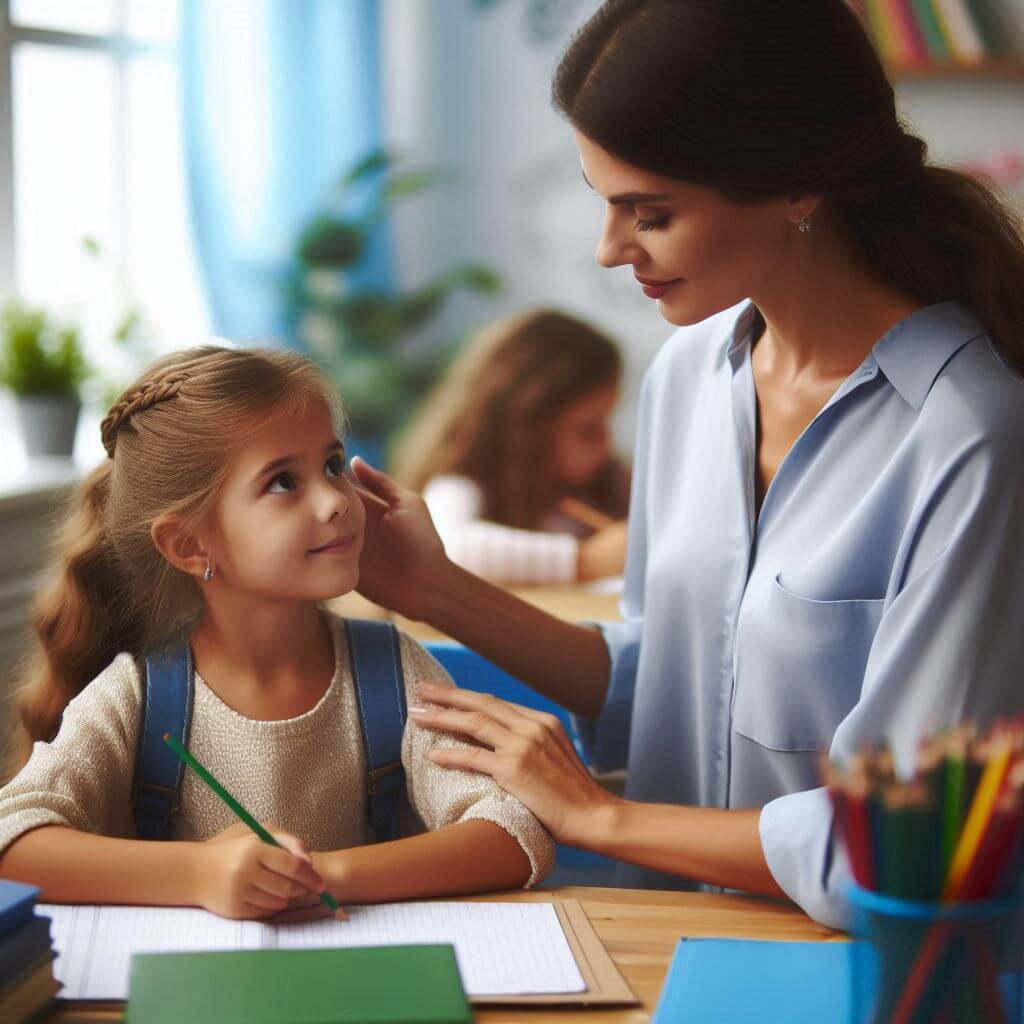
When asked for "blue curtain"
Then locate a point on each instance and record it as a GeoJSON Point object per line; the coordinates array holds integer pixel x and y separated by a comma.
{"type": "Point", "coordinates": [279, 97]}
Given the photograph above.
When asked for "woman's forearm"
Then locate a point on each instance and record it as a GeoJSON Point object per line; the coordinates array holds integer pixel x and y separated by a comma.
{"type": "Point", "coordinates": [471, 856]}
{"type": "Point", "coordinates": [569, 664]}
{"type": "Point", "coordinates": [718, 847]}
{"type": "Point", "coordinates": [79, 867]}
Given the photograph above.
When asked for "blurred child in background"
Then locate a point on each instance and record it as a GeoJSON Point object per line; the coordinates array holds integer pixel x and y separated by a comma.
{"type": "Point", "coordinates": [512, 453]}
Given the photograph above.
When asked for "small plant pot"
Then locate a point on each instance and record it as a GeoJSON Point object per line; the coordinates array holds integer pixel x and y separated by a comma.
{"type": "Point", "coordinates": [48, 423]}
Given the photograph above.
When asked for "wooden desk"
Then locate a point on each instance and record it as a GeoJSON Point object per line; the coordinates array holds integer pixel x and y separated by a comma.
{"type": "Point", "coordinates": [573, 604]}
{"type": "Point", "coordinates": [640, 929]}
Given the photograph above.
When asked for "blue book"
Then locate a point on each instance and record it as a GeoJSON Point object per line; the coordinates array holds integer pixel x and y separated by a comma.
{"type": "Point", "coordinates": [23, 946]}
{"type": "Point", "coordinates": [745, 980]}
{"type": "Point", "coordinates": [17, 905]}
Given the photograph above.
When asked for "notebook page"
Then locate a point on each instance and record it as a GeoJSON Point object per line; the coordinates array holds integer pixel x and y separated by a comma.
{"type": "Point", "coordinates": [501, 948]}
{"type": "Point", "coordinates": [95, 944]}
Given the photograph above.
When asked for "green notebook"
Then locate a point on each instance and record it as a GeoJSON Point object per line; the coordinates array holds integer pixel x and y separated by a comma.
{"type": "Point", "coordinates": [378, 985]}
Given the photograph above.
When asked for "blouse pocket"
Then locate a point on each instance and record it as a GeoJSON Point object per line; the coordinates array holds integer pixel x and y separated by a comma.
{"type": "Point", "coordinates": [800, 667]}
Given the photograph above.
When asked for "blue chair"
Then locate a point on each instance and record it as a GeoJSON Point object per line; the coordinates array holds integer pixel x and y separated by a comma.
{"type": "Point", "coordinates": [473, 672]}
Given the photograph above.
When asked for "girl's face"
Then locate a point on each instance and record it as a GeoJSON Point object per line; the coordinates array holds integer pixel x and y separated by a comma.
{"type": "Point", "coordinates": [581, 438]}
{"type": "Point", "coordinates": [691, 249]}
{"type": "Point", "coordinates": [288, 523]}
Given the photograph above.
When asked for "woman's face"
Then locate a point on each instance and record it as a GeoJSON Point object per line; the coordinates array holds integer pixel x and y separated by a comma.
{"type": "Point", "coordinates": [581, 438]}
{"type": "Point", "coordinates": [691, 249]}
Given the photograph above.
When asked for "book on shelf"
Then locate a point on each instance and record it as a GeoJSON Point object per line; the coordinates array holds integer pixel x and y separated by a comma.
{"type": "Point", "coordinates": [924, 15]}
{"type": "Point", "coordinates": [916, 33]}
{"type": "Point", "coordinates": [960, 31]}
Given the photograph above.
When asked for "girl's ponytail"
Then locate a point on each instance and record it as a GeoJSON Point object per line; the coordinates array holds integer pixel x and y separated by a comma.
{"type": "Point", "coordinates": [79, 619]}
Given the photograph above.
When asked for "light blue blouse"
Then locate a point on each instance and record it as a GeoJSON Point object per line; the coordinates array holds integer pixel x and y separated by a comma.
{"type": "Point", "coordinates": [878, 594]}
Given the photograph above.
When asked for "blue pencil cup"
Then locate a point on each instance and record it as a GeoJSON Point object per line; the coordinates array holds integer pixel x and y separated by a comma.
{"type": "Point", "coordinates": [954, 963]}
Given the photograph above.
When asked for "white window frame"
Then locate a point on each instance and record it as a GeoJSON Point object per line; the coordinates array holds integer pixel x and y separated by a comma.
{"type": "Point", "coordinates": [121, 48]}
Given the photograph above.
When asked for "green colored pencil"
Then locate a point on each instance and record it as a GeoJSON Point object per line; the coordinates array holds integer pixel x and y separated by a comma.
{"type": "Point", "coordinates": [325, 897]}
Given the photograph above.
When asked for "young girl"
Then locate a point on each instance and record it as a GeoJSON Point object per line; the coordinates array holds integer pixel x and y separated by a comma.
{"type": "Point", "coordinates": [518, 426]}
{"type": "Point", "coordinates": [223, 515]}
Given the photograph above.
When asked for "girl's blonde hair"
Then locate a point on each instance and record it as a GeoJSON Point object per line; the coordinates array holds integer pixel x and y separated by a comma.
{"type": "Point", "coordinates": [169, 438]}
{"type": "Point", "coordinates": [490, 417]}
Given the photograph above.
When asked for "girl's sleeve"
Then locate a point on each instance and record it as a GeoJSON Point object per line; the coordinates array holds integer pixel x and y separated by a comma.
{"type": "Point", "coordinates": [948, 649]}
{"type": "Point", "coordinates": [493, 551]}
{"type": "Point", "coordinates": [445, 796]}
{"type": "Point", "coordinates": [82, 779]}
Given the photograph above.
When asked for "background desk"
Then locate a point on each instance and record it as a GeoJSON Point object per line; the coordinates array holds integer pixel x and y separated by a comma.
{"type": "Point", "coordinates": [573, 604]}
{"type": "Point", "coordinates": [640, 929]}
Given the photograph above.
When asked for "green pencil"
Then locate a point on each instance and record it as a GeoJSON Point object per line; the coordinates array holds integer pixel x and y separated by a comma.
{"type": "Point", "coordinates": [325, 897]}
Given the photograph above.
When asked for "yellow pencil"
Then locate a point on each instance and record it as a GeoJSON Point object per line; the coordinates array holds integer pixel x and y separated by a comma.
{"type": "Point", "coordinates": [977, 820]}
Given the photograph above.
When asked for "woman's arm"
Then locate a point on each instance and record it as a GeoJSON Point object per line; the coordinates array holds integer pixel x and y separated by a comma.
{"type": "Point", "coordinates": [470, 856]}
{"type": "Point", "coordinates": [529, 755]}
{"type": "Point", "coordinates": [404, 567]}
{"type": "Point", "coordinates": [715, 846]}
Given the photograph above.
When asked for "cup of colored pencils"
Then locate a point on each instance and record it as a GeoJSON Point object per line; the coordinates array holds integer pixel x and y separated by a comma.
{"type": "Point", "coordinates": [938, 860]}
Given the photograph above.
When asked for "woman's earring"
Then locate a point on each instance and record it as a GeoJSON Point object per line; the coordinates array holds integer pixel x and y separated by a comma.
{"type": "Point", "coordinates": [207, 574]}
{"type": "Point", "coordinates": [804, 225]}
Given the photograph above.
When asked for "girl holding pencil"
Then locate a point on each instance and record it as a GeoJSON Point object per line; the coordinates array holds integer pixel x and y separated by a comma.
{"type": "Point", "coordinates": [825, 543]}
{"type": "Point", "coordinates": [222, 516]}
{"type": "Point", "coordinates": [512, 453]}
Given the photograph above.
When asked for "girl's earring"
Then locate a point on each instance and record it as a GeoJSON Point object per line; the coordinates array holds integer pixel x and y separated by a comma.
{"type": "Point", "coordinates": [804, 225]}
{"type": "Point", "coordinates": [207, 574]}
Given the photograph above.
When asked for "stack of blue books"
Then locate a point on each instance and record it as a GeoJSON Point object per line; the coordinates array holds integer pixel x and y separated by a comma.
{"type": "Point", "coordinates": [27, 984]}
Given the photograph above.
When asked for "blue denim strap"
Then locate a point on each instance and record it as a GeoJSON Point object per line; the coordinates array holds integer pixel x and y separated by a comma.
{"type": "Point", "coordinates": [380, 689]}
{"type": "Point", "coordinates": [167, 695]}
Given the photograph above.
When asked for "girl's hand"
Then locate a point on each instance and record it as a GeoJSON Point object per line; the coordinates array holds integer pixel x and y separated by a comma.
{"type": "Point", "coordinates": [240, 876]}
{"type": "Point", "coordinates": [403, 556]}
{"type": "Point", "coordinates": [525, 751]}
{"type": "Point", "coordinates": [603, 553]}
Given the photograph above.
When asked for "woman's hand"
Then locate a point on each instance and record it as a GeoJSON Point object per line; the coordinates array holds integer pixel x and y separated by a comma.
{"type": "Point", "coordinates": [603, 553]}
{"type": "Point", "coordinates": [240, 876]}
{"type": "Point", "coordinates": [525, 751]}
{"type": "Point", "coordinates": [403, 557]}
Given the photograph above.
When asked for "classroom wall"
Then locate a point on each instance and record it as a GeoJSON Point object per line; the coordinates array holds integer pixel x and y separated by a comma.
{"type": "Point", "coordinates": [469, 89]}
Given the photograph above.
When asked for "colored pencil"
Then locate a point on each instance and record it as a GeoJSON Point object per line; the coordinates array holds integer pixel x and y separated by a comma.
{"type": "Point", "coordinates": [325, 897]}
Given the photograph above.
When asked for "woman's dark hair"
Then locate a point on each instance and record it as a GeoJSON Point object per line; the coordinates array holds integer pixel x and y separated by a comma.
{"type": "Point", "coordinates": [766, 98]}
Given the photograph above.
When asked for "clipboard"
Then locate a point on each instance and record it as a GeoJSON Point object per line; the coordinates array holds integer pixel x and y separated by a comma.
{"type": "Point", "coordinates": [605, 985]}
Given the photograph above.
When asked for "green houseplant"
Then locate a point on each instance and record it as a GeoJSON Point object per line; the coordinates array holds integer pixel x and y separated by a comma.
{"type": "Point", "coordinates": [42, 363]}
{"type": "Point", "coordinates": [361, 334]}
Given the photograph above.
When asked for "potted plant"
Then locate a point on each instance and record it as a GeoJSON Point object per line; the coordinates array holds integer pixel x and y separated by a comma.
{"type": "Point", "coordinates": [360, 335]}
{"type": "Point", "coordinates": [43, 365]}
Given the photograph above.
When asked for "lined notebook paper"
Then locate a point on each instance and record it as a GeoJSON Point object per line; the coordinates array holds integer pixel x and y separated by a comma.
{"type": "Point", "coordinates": [501, 948]}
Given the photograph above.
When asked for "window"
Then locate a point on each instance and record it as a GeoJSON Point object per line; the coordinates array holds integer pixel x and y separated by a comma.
{"type": "Point", "coordinates": [91, 147]}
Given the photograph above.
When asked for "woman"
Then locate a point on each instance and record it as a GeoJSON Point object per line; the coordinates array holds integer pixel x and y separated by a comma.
{"type": "Point", "coordinates": [824, 536]}
{"type": "Point", "coordinates": [517, 426]}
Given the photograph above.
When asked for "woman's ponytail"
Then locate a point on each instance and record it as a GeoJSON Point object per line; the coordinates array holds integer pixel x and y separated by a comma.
{"type": "Point", "coordinates": [948, 235]}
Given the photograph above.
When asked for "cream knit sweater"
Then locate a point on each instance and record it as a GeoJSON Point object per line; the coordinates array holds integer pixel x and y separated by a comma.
{"type": "Point", "coordinates": [306, 775]}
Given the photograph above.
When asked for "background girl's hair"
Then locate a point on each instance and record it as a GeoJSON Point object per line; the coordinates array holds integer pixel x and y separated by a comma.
{"type": "Point", "coordinates": [490, 417]}
{"type": "Point", "coordinates": [789, 98]}
{"type": "Point", "coordinates": [170, 437]}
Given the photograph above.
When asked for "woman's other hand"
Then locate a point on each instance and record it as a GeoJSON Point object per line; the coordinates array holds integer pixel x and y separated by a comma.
{"type": "Point", "coordinates": [527, 752]}
{"type": "Point", "coordinates": [403, 556]}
